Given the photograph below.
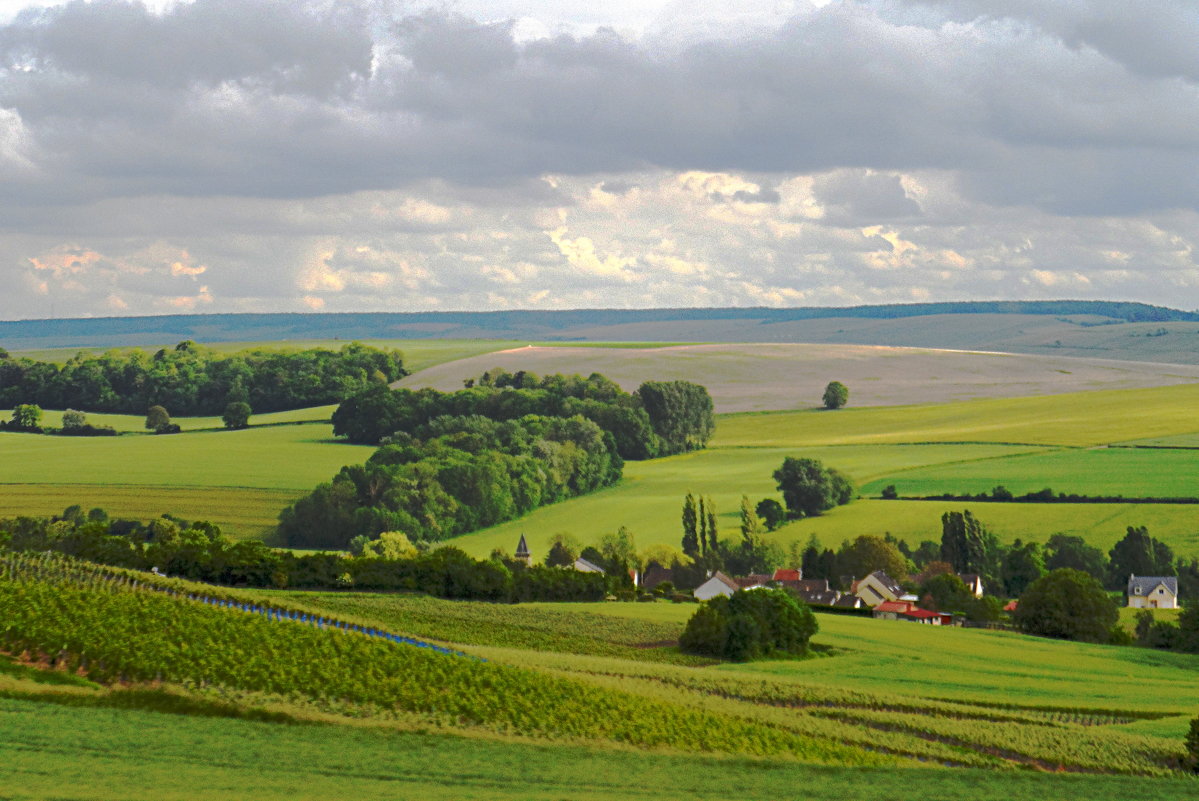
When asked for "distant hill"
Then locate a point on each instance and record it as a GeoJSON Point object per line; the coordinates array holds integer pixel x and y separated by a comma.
{"type": "Point", "coordinates": [1103, 329]}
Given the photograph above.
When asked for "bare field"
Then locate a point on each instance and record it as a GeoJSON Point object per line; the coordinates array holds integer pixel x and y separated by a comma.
{"type": "Point", "coordinates": [764, 377]}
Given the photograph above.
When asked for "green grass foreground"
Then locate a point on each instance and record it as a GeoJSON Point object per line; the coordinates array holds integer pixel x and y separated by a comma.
{"type": "Point", "coordinates": [50, 752]}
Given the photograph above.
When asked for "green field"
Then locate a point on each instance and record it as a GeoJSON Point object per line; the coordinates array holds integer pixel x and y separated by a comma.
{"type": "Point", "coordinates": [55, 752]}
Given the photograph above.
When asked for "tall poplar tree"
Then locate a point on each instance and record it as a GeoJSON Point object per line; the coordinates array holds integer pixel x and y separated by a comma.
{"type": "Point", "coordinates": [691, 545]}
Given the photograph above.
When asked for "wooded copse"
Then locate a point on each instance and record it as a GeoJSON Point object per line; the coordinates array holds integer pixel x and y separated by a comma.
{"type": "Point", "coordinates": [660, 419]}
{"type": "Point", "coordinates": [454, 462]}
{"type": "Point", "coordinates": [191, 379]}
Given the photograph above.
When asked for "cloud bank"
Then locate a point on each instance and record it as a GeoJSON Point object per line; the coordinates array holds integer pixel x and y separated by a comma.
{"type": "Point", "coordinates": [230, 155]}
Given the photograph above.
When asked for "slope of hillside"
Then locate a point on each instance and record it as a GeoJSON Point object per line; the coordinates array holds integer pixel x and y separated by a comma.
{"type": "Point", "coordinates": [765, 377]}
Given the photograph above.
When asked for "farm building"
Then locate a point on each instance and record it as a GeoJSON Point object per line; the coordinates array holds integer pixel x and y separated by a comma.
{"type": "Point", "coordinates": [719, 584]}
{"type": "Point", "coordinates": [1153, 592]}
{"type": "Point", "coordinates": [877, 588]}
{"type": "Point", "coordinates": [583, 566]}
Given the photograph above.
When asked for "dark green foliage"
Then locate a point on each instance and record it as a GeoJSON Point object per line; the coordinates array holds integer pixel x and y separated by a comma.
{"type": "Point", "coordinates": [1191, 745]}
{"type": "Point", "coordinates": [376, 413]}
{"type": "Point", "coordinates": [751, 624]}
{"type": "Point", "coordinates": [461, 474]}
{"type": "Point", "coordinates": [1022, 565]}
{"type": "Point", "coordinates": [836, 395]}
{"type": "Point", "coordinates": [889, 493]}
{"type": "Point", "coordinates": [809, 488]}
{"type": "Point", "coordinates": [945, 593]}
{"type": "Point", "coordinates": [968, 547]}
{"type": "Point", "coordinates": [1069, 605]}
{"type": "Point", "coordinates": [26, 417]}
{"type": "Point", "coordinates": [680, 412]}
{"type": "Point", "coordinates": [237, 415]}
{"type": "Point", "coordinates": [1068, 551]}
{"type": "Point", "coordinates": [771, 512]}
{"type": "Point", "coordinates": [1138, 554]}
{"type": "Point", "coordinates": [691, 545]}
{"type": "Point", "coordinates": [157, 418]}
{"type": "Point", "coordinates": [193, 380]}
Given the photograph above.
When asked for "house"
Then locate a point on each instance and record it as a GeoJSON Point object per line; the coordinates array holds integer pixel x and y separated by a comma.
{"type": "Point", "coordinates": [876, 588]}
{"type": "Point", "coordinates": [753, 581]}
{"type": "Point", "coordinates": [1153, 592]}
{"type": "Point", "coordinates": [719, 584]}
{"type": "Point", "coordinates": [522, 550]}
{"type": "Point", "coordinates": [788, 574]}
{"type": "Point", "coordinates": [848, 601]}
{"type": "Point", "coordinates": [891, 610]}
{"type": "Point", "coordinates": [802, 585]}
{"type": "Point", "coordinates": [821, 598]}
{"type": "Point", "coordinates": [583, 566]}
{"type": "Point", "coordinates": [926, 617]}
{"type": "Point", "coordinates": [973, 582]}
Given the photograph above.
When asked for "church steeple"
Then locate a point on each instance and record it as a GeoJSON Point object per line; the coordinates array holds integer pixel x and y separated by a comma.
{"type": "Point", "coordinates": [522, 550]}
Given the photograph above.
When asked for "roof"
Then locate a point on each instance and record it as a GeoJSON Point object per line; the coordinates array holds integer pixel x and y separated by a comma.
{"type": "Point", "coordinates": [894, 606]}
{"type": "Point", "coordinates": [522, 548]}
{"type": "Point", "coordinates": [1143, 585]}
{"type": "Point", "coordinates": [587, 567]}
{"type": "Point", "coordinates": [752, 580]}
{"type": "Point", "coordinates": [725, 580]}
{"type": "Point", "coordinates": [849, 601]}
{"type": "Point", "coordinates": [804, 585]}
{"type": "Point", "coordinates": [888, 582]}
{"type": "Point", "coordinates": [787, 574]}
{"type": "Point", "coordinates": [821, 598]}
{"type": "Point", "coordinates": [924, 614]}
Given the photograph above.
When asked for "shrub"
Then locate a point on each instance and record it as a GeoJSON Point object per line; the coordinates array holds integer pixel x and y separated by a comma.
{"type": "Point", "coordinates": [750, 624]}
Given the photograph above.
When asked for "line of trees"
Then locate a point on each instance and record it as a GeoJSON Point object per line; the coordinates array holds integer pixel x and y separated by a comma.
{"type": "Point", "coordinates": [190, 379]}
{"type": "Point", "coordinates": [456, 474]}
{"type": "Point", "coordinates": [659, 419]}
{"type": "Point", "coordinates": [1002, 494]}
{"type": "Point", "coordinates": [200, 552]}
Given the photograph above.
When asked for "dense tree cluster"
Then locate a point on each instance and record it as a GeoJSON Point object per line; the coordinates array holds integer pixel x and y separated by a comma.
{"type": "Point", "coordinates": [1067, 604]}
{"type": "Point", "coordinates": [193, 380]}
{"type": "Point", "coordinates": [750, 624]}
{"type": "Point", "coordinates": [456, 474]}
{"type": "Point", "coordinates": [809, 488]}
{"type": "Point", "coordinates": [660, 419]}
{"type": "Point", "coordinates": [200, 552]}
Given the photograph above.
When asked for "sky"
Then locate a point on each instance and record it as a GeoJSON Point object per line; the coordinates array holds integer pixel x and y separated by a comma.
{"type": "Point", "coordinates": [363, 155]}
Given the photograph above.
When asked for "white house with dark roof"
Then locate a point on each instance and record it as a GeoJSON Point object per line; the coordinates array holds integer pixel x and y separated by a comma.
{"type": "Point", "coordinates": [719, 584]}
{"type": "Point", "coordinates": [1153, 592]}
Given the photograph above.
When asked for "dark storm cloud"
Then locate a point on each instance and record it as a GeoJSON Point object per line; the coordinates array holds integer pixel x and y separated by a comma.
{"type": "Point", "coordinates": [855, 198]}
{"type": "Point", "coordinates": [1078, 107]}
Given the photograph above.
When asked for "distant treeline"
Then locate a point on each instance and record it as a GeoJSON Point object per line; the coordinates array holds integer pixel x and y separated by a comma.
{"type": "Point", "coordinates": [1002, 495]}
{"type": "Point", "coordinates": [520, 324]}
{"type": "Point", "coordinates": [198, 551]}
{"type": "Point", "coordinates": [450, 463]}
{"type": "Point", "coordinates": [193, 380]}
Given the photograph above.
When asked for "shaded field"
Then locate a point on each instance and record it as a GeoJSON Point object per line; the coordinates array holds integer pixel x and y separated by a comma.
{"type": "Point", "coordinates": [143, 756]}
{"type": "Point", "coordinates": [761, 377]}
{"type": "Point", "coordinates": [136, 424]}
{"type": "Point", "coordinates": [1103, 471]}
{"type": "Point", "coordinates": [242, 513]}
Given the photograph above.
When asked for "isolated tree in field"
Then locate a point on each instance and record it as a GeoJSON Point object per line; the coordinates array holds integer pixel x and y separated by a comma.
{"type": "Point", "coordinates": [237, 415]}
{"type": "Point", "coordinates": [691, 545]}
{"type": "Point", "coordinates": [1069, 605]}
{"type": "Point", "coordinates": [73, 420]}
{"type": "Point", "coordinates": [157, 418]}
{"type": "Point", "coordinates": [836, 395]}
{"type": "Point", "coordinates": [809, 489]}
{"type": "Point", "coordinates": [27, 415]}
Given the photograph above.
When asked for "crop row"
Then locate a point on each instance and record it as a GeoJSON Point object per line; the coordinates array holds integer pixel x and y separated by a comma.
{"type": "Point", "coordinates": [504, 625]}
{"type": "Point", "coordinates": [116, 630]}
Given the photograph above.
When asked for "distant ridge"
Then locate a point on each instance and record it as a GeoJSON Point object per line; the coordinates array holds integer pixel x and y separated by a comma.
{"type": "Point", "coordinates": [572, 324]}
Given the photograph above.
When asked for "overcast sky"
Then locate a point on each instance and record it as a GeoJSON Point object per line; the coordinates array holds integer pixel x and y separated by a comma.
{"type": "Point", "coordinates": [263, 155]}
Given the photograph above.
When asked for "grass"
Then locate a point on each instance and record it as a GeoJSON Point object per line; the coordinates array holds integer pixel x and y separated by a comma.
{"type": "Point", "coordinates": [54, 752]}
{"type": "Point", "coordinates": [1131, 472]}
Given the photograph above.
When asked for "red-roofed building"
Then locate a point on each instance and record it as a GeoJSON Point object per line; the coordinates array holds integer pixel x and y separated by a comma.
{"type": "Point", "coordinates": [788, 574]}
{"type": "Point", "coordinates": [891, 610]}
{"type": "Point", "coordinates": [928, 618]}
